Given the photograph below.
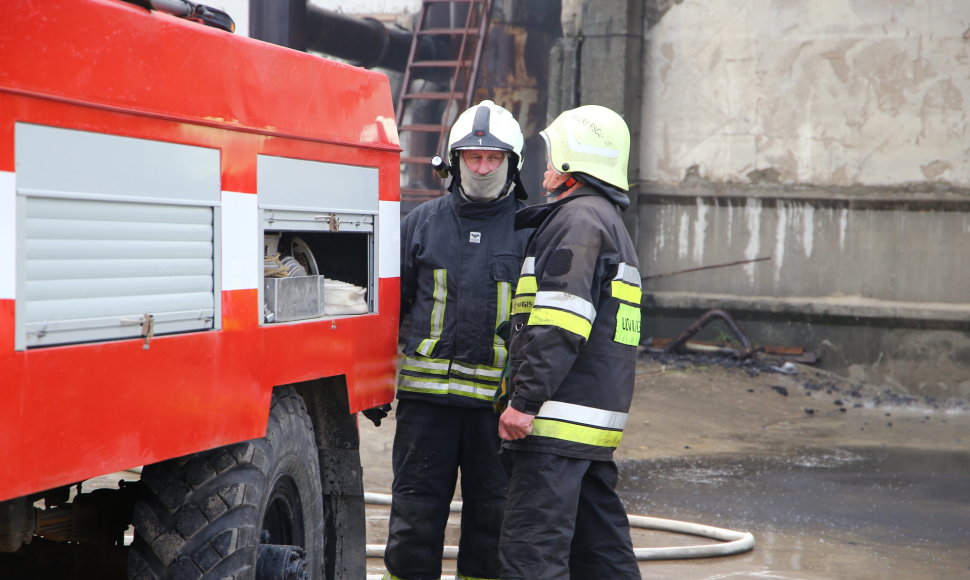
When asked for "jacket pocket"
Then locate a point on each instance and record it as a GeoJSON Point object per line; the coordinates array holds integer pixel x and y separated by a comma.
{"type": "Point", "coordinates": [504, 267]}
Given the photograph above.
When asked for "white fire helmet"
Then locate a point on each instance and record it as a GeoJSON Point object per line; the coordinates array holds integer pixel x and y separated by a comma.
{"type": "Point", "coordinates": [487, 126]}
{"type": "Point", "coordinates": [590, 139]}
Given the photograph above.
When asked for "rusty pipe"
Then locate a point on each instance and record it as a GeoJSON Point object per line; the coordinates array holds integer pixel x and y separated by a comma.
{"type": "Point", "coordinates": [743, 353]}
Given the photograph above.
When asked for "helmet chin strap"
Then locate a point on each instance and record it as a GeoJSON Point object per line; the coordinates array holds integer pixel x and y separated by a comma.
{"type": "Point", "coordinates": [563, 187]}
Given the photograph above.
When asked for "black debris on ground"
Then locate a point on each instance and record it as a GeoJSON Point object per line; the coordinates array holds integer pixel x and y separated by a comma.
{"type": "Point", "coordinates": [847, 392]}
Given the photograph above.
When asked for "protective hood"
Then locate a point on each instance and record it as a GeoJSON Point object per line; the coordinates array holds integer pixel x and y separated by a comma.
{"type": "Point", "coordinates": [488, 187]}
{"type": "Point", "coordinates": [618, 197]}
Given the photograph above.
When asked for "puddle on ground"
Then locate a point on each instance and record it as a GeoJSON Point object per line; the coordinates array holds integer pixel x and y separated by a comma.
{"type": "Point", "coordinates": [839, 513]}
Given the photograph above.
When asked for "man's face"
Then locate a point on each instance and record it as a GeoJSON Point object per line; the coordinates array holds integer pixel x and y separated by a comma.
{"type": "Point", "coordinates": [482, 161]}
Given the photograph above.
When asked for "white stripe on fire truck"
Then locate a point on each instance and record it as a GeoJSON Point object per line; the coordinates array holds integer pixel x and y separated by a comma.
{"type": "Point", "coordinates": [389, 239]}
{"type": "Point", "coordinates": [8, 236]}
{"type": "Point", "coordinates": [240, 241]}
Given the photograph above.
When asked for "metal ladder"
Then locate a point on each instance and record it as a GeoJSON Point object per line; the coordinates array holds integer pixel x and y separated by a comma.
{"type": "Point", "coordinates": [424, 114]}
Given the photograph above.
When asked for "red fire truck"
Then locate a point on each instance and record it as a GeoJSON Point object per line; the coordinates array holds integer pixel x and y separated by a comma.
{"type": "Point", "coordinates": [198, 275]}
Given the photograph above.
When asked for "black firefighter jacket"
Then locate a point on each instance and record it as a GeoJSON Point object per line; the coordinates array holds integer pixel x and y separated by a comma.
{"type": "Point", "coordinates": [459, 264]}
{"type": "Point", "coordinates": [576, 326]}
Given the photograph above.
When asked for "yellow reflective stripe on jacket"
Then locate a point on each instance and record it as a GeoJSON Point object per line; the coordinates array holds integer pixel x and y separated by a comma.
{"type": "Point", "coordinates": [440, 295]}
{"type": "Point", "coordinates": [576, 433]}
{"type": "Point", "coordinates": [526, 288]}
{"type": "Point", "coordinates": [525, 294]}
{"type": "Point", "coordinates": [447, 386]}
{"type": "Point", "coordinates": [625, 287]}
{"type": "Point", "coordinates": [579, 424]}
{"type": "Point", "coordinates": [562, 319]}
{"type": "Point", "coordinates": [626, 284]}
{"type": "Point", "coordinates": [437, 366]}
{"type": "Point", "coordinates": [527, 285]}
{"type": "Point", "coordinates": [503, 301]}
{"type": "Point", "coordinates": [625, 292]}
{"type": "Point", "coordinates": [477, 371]}
{"type": "Point", "coordinates": [434, 366]}
{"type": "Point", "coordinates": [523, 304]}
{"type": "Point", "coordinates": [445, 377]}
{"type": "Point", "coordinates": [564, 310]}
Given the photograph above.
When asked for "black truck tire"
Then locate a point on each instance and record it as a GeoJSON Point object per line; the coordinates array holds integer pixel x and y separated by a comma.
{"type": "Point", "coordinates": [204, 516]}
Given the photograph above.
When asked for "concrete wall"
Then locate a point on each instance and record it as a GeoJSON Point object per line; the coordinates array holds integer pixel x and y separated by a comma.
{"type": "Point", "coordinates": [831, 136]}
{"type": "Point", "coordinates": [823, 92]}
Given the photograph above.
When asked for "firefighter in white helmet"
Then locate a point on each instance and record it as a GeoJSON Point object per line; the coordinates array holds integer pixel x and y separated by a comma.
{"type": "Point", "coordinates": [460, 259]}
{"type": "Point", "coordinates": [575, 330]}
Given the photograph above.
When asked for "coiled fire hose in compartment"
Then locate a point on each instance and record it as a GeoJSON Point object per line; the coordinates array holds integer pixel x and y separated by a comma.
{"type": "Point", "coordinates": [729, 541]}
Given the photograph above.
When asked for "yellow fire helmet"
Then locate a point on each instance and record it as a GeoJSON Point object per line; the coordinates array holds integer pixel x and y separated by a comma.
{"type": "Point", "coordinates": [593, 140]}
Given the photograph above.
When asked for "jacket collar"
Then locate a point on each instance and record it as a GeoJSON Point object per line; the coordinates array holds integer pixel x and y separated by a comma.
{"type": "Point", "coordinates": [534, 215]}
{"type": "Point", "coordinates": [481, 210]}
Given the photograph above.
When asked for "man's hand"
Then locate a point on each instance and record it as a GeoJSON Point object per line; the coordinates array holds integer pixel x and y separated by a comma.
{"type": "Point", "coordinates": [514, 424]}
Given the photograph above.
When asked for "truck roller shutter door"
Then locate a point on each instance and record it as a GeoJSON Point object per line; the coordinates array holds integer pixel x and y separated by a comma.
{"type": "Point", "coordinates": [105, 239]}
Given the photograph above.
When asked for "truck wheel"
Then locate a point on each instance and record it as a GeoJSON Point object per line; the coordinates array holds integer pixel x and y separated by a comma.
{"type": "Point", "coordinates": [245, 511]}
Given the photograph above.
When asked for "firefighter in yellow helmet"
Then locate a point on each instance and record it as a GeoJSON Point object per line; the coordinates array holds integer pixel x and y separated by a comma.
{"type": "Point", "coordinates": [460, 258]}
{"type": "Point", "coordinates": [575, 329]}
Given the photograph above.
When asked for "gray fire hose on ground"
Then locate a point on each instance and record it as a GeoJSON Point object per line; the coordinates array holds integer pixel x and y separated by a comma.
{"type": "Point", "coordinates": [730, 541]}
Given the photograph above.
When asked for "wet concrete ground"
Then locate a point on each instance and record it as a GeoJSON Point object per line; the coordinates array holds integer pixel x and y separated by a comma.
{"type": "Point", "coordinates": [833, 513]}
{"type": "Point", "coordinates": [835, 479]}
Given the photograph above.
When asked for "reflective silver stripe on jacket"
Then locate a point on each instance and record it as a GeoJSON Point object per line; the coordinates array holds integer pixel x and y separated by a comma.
{"type": "Point", "coordinates": [582, 414]}
{"type": "Point", "coordinates": [445, 377]}
{"type": "Point", "coordinates": [628, 274]}
{"type": "Point", "coordinates": [566, 301]}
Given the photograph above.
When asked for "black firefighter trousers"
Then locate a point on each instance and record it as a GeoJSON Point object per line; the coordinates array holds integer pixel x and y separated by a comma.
{"type": "Point", "coordinates": [564, 521]}
{"type": "Point", "coordinates": [431, 444]}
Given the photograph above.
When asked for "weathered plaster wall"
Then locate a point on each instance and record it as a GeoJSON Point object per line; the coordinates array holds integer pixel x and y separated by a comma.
{"type": "Point", "coordinates": [833, 92]}
{"type": "Point", "coordinates": [820, 248]}
{"type": "Point", "coordinates": [833, 137]}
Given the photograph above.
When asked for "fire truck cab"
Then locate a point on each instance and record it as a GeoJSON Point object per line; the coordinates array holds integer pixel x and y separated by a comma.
{"type": "Point", "coordinates": [198, 275]}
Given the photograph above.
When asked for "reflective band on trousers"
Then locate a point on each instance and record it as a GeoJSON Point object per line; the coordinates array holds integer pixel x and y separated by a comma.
{"type": "Point", "coordinates": [440, 295]}
{"type": "Point", "coordinates": [579, 424]}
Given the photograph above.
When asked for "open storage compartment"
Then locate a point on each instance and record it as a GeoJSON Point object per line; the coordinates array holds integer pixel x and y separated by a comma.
{"type": "Point", "coordinates": [319, 227]}
{"type": "Point", "coordinates": [312, 274]}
